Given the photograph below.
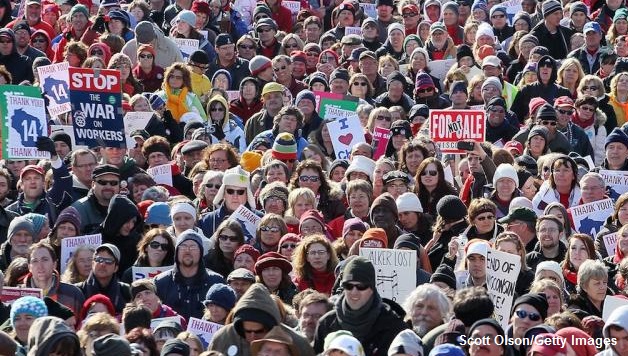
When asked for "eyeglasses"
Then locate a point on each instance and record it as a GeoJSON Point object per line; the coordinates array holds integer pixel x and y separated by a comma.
{"type": "Point", "coordinates": [362, 84]}
{"type": "Point", "coordinates": [277, 69]}
{"type": "Point", "coordinates": [548, 123]}
{"type": "Point", "coordinates": [498, 16]}
{"type": "Point", "coordinates": [565, 112]}
{"type": "Point", "coordinates": [486, 217]}
{"type": "Point", "coordinates": [103, 182]}
{"type": "Point", "coordinates": [592, 87]}
{"type": "Point", "coordinates": [522, 314]}
{"type": "Point", "coordinates": [384, 118]}
{"type": "Point", "coordinates": [235, 191]}
{"type": "Point", "coordinates": [262, 30]}
{"type": "Point", "coordinates": [104, 260]}
{"type": "Point", "coordinates": [292, 246]}
{"type": "Point", "coordinates": [430, 172]}
{"type": "Point", "coordinates": [350, 286]}
{"type": "Point", "coordinates": [494, 109]}
{"type": "Point", "coordinates": [217, 109]}
{"type": "Point", "coordinates": [146, 56]}
{"type": "Point", "coordinates": [267, 229]}
{"type": "Point", "coordinates": [246, 47]}
{"type": "Point", "coordinates": [193, 247]}
{"type": "Point", "coordinates": [317, 253]}
{"type": "Point", "coordinates": [42, 40]}
{"type": "Point", "coordinates": [409, 14]}
{"type": "Point", "coordinates": [425, 90]}
{"type": "Point", "coordinates": [587, 108]}
{"type": "Point", "coordinates": [86, 165]}
{"type": "Point", "coordinates": [211, 185]}
{"type": "Point", "coordinates": [312, 179]}
{"type": "Point", "coordinates": [549, 230]}
{"type": "Point", "coordinates": [227, 237]}
{"type": "Point", "coordinates": [157, 245]}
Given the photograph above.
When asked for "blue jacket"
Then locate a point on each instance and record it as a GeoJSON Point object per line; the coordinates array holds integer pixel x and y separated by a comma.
{"type": "Point", "coordinates": [270, 136]}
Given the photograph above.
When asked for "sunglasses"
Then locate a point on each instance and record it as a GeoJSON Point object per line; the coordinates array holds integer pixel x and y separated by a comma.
{"type": "Point", "coordinates": [227, 237]}
{"type": "Point", "coordinates": [362, 84]}
{"type": "Point", "coordinates": [430, 172]}
{"type": "Point", "coordinates": [409, 14]}
{"type": "Point", "coordinates": [426, 90]}
{"type": "Point", "coordinates": [235, 191]}
{"type": "Point", "coordinates": [592, 87]}
{"type": "Point", "coordinates": [105, 260]}
{"type": "Point", "coordinates": [217, 109]}
{"type": "Point", "coordinates": [146, 56]}
{"type": "Point", "coordinates": [271, 229]}
{"type": "Point", "coordinates": [157, 245]}
{"type": "Point", "coordinates": [211, 185]}
{"type": "Point", "coordinates": [41, 40]}
{"type": "Point", "coordinates": [292, 246]}
{"type": "Point", "coordinates": [103, 182]}
{"type": "Point", "coordinates": [567, 112]}
{"type": "Point", "coordinates": [384, 118]}
{"type": "Point", "coordinates": [587, 108]}
{"type": "Point", "coordinates": [246, 47]}
{"type": "Point", "coordinates": [350, 286]}
{"type": "Point", "coordinates": [499, 16]}
{"type": "Point", "coordinates": [486, 217]}
{"type": "Point", "coordinates": [493, 109]}
{"type": "Point", "coordinates": [291, 45]}
{"type": "Point", "coordinates": [312, 179]}
{"type": "Point", "coordinates": [548, 122]}
{"type": "Point", "coordinates": [522, 314]}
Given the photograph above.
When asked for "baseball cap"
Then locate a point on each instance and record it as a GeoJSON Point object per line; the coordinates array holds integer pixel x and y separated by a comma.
{"type": "Point", "coordinates": [112, 249]}
{"type": "Point", "coordinates": [32, 168]}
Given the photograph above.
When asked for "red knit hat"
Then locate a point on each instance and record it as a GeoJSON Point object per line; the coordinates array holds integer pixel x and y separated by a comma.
{"type": "Point", "coordinates": [247, 249]}
{"type": "Point", "coordinates": [272, 259]}
{"type": "Point", "coordinates": [373, 237]}
{"type": "Point", "coordinates": [534, 104]}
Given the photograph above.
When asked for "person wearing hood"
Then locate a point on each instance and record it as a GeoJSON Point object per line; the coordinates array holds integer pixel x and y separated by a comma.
{"type": "Point", "coordinates": [545, 87]}
{"type": "Point", "coordinates": [17, 64]}
{"type": "Point", "coordinates": [393, 45]}
{"type": "Point", "coordinates": [80, 29]}
{"type": "Point", "coordinates": [550, 33]}
{"type": "Point", "coordinates": [122, 227]}
{"type": "Point", "coordinates": [40, 41]}
{"type": "Point", "coordinates": [249, 101]}
{"type": "Point", "coordinates": [395, 95]}
{"type": "Point", "coordinates": [439, 45]}
{"type": "Point", "coordinates": [451, 20]}
{"type": "Point", "coordinates": [497, 127]}
{"type": "Point", "coordinates": [166, 50]}
{"type": "Point", "coordinates": [306, 102]}
{"type": "Point", "coordinates": [184, 287]}
{"type": "Point", "coordinates": [616, 328]}
{"type": "Point", "coordinates": [6, 14]}
{"type": "Point", "coordinates": [32, 15]}
{"type": "Point", "coordinates": [119, 23]}
{"type": "Point", "coordinates": [361, 310]}
{"type": "Point", "coordinates": [499, 22]}
{"type": "Point", "coordinates": [432, 10]}
{"type": "Point", "coordinates": [20, 236]}
{"type": "Point", "coordinates": [224, 127]}
{"type": "Point", "coordinates": [288, 121]}
{"type": "Point", "coordinates": [52, 336]}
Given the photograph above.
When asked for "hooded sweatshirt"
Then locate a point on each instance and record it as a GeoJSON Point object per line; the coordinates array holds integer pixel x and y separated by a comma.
{"type": "Point", "coordinates": [619, 317]}
{"type": "Point", "coordinates": [233, 133]}
{"type": "Point", "coordinates": [45, 332]}
{"type": "Point", "coordinates": [49, 52]}
{"type": "Point", "coordinates": [18, 65]}
{"type": "Point", "coordinates": [104, 48]}
{"type": "Point", "coordinates": [121, 210]}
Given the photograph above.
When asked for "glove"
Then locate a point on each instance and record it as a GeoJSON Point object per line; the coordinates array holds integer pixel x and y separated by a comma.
{"type": "Point", "coordinates": [45, 144]}
{"type": "Point", "coordinates": [218, 132]}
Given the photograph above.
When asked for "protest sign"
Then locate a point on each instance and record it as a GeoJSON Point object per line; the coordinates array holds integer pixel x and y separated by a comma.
{"type": "Point", "coordinates": [53, 80]}
{"type": "Point", "coordinates": [148, 272]}
{"type": "Point", "coordinates": [161, 174]}
{"type": "Point", "coordinates": [156, 321]}
{"type": "Point", "coordinates": [324, 99]}
{"type": "Point", "coordinates": [353, 31]}
{"type": "Point", "coordinates": [96, 99]}
{"type": "Point", "coordinates": [589, 218]}
{"type": "Point", "coordinates": [512, 8]}
{"type": "Point", "coordinates": [70, 244]}
{"type": "Point", "coordinates": [611, 303]}
{"type": "Point", "coordinates": [439, 68]}
{"type": "Point", "coordinates": [381, 136]}
{"type": "Point", "coordinates": [395, 271]}
{"type": "Point", "coordinates": [233, 95]}
{"type": "Point", "coordinates": [345, 130]}
{"type": "Point", "coordinates": [616, 182]}
{"type": "Point", "coordinates": [369, 10]}
{"type": "Point", "coordinates": [294, 6]}
{"type": "Point", "coordinates": [461, 278]}
{"type": "Point", "coordinates": [448, 127]}
{"type": "Point", "coordinates": [9, 294]}
{"type": "Point", "coordinates": [23, 112]}
{"type": "Point", "coordinates": [186, 46]}
{"type": "Point", "coordinates": [502, 270]}
{"type": "Point", "coordinates": [68, 129]}
{"type": "Point", "coordinates": [248, 220]}
{"type": "Point", "coordinates": [205, 330]}
{"type": "Point", "coordinates": [135, 120]}
{"type": "Point", "coordinates": [610, 242]}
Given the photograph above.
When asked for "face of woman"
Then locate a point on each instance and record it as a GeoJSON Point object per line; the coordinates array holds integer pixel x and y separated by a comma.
{"type": "Point", "coordinates": [271, 276]}
{"type": "Point", "coordinates": [577, 252]}
{"type": "Point", "coordinates": [175, 79]}
{"type": "Point", "coordinates": [309, 154]}
{"type": "Point", "coordinates": [137, 13]}
{"type": "Point", "coordinates": [124, 68]}
{"type": "Point", "coordinates": [380, 171]}
{"type": "Point", "coordinates": [529, 189]}
{"type": "Point", "coordinates": [317, 256]}
{"type": "Point", "coordinates": [352, 236]}
{"type": "Point", "coordinates": [183, 28]}
{"type": "Point", "coordinates": [596, 289]}
{"type": "Point", "coordinates": [276, 174]}
{"type": "Point", "coordinates": [358, 201]}
{"type": "Point", "coordinates": [182, 222]}
{"type": "Point", "coordinates": [413, 160]}
{"type": "Point", "coordinates": [84, 262]}
{"type": "Point", "coordinates": [418, 63]}
{"type": "Point", "coordinates": [310, 179]}
{"type": "Point", "coordinates": [386, 68]}
{"type": "Point", "coordinates": [537, 144]}
{"type": "Point", "coordinates": [553, 300]}
{"type": "Point", "coordinates": [156, 253]}
{"type": "Point", "coordinates": [525, 317]}
{"type": "Point", "coordinates": [382, 120]}
{"type": "Point", "coordinates": [484, 222]}
{"type": "Point", "coordinates": [570, 74]}
{"type": "Point", "coordinates": [211, 189]}
{"type": "Point", "coordinates": [429, 176]}
{"type": "Point", "coordinates": [505, 188]}
{"type": "Point", "coordinates": [300, 207]}
{"type": "Point", "coordinates": [248, 91]}
{"type": "Point", "coordinates": [558, 213]}
{"type": "Point", "coordinates": [227, 241]}
{"type": "Point", "coordinates": [23, 323]}
{"type": "Point", "coordinates": [244, 261]}
{"type": "Point", "coordinates": [338, 174]}
{"type": "Point", "coordinates": [310, 227]}
{"type": "Point", "coordinates": [116, 26]}
{"type": "Point", "coordinates": [270, 233]}
{"type": "Point", "coordinates": [563, 176]}
{"type": "Point", "coordinates": [41, 264]}
{"type": "Point", "coordinates": [222, 82]}
{"type": "Point", "coordinates": [489, 348]}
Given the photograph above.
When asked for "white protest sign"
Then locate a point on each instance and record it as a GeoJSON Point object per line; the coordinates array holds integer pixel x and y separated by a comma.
{"type": "Point", "coordinates": [353, 31]}
{"type": "Point", "coordinates": [395, 271]}
{"type": "Point", "coordinates": [512, 8]}
{"type": "Point", "coordinates": [294, 6]}
{"type": "Point", "coordinates": [248, 220]}
{"type": "Point", "coordinates": [461, 279]}
{"type": "Point", "coordinates": [610, 304]}
{"type": "Point", "coordinates": [186, 46]}
{"type": "Point", "coordinates": [53, 80]}
{"type": "Point", "coordinates": [345, 130]}
{"type": "Point", "coordinates": [449, 175]}
{"type": "Point", "coordinates": [616, 182]}
{"type": "Point", "coordinates": [502, 270]}
{"type": "Point", "coordinates": [155, 322]}
{"type": "Point", "coordinates": [369, 10]}
{"type": "Point", "coordinates": [70, 244]}
{"type": "Point", "coordinates": [135, 120]}
{"type": "Point", "coordinates": [610, 242]}
{"type": "Point", "coordinates": [68, 129]}
{"type": "Point", "coordinates": [440, 67]}
{"type": "Point", "coordinates": [148, 272]}
{"type": "Point", "coordinates": [161, 174]}
{"type": "Point", "coordinates": [205, 330]}
{"type": "Point", "coordinates": [589, 218]}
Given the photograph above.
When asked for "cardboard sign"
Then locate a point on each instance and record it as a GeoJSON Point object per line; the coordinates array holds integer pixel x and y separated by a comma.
{"type": "Point", "coordinates": [324, 99]}
{"type": "Point", "coordinates": [186, 46]}
{"type": "Point", "coordinates": [589, 218]}
{"type": "Point", "coordinates": [512, 8]}
{"type": "Point", "coordinates": [502, 270]}
{"type": "Point", "coordinates": [353, 31]}
{"type": "Point", "coordinates": [161, 174]}
{"type": "Point", "coordinates": [381, 136]}
{"type": "Point", "coordinates": [610, 242]}
{"type": "Point", "coordinates": [10, 294]}
{"type": "Point", "coordinates": [205, 330]}
{"type": "Point", "coordinates": [148, 272]}
{"type": "Point", "coordinates": [447, 127]}
{"type": "Point", "coordinates": [70, 244]}
{"type": "Point", "coordinates": [135, 120]}
{"type": "Point", "coordinates": [345, 131]}
{"type": "Point", "coordinates": [395, 271]}
{"type": "Point", "coordinates": [155, 322]}
{"type": "Point", "coordinates": [53, 80]}
{"type": "Point", "coordinates": [96, 98]}
{"type": "Point", "coordinates": [461, 279]}
{"type": "Point", "coordinates": [616, 182]}
{"type": "Point", "coordinates": [369, 9]}
{"type": "Point", "coordinates": [439, 68]}
{"type": "Point", "coordinates": [248, 220]}
{"type": "Point", "coordinates": [294, 6]}
{"type": "Point", "coordinates": [610, 304]}
{"type": "Point", "coordinates": [23, 113]}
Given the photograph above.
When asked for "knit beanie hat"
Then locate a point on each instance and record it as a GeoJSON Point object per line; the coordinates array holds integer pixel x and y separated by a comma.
{"type": "Point", "coordinates": [410, 37]}
{"type": "Point", "coordinates": [538, 130]}
{"type": "Point", "coordinates": [617, 135]}
{"type": "Point", "coordinates": [305, 95]}
{"type": "Point", "coordinates": [451, 208]}
{"type": "Point", "coordinates": [182, 207]}
{"type": "Point", "coordinates": [18, 224]}
{"type": "Point", "coordinates": [221, 295]}
{"type": "Point", "coordinates": [79, 8]}
{"type": "Point", "coordinates": [497, 8]}
{"type": "Point", "coordinates": [537, 300]}
{"type": "Point", "coordinates": [453, 333]}
{"type": "Point", "coordinates": [487, 321]}
{"type": "Point", "coordinates": [395, 75]}
{"type": "Point", "coordinates": [318, 77]}
{"type": "Point", "coordinates": [484, 29]}
{"type": "Point", "coordinates": [361, 270]}
{"type": "Point", "coordinates": [284, 147]}
{"type": "Point", "coordinates": [38, 222]}
{"type": "Point", "coordinates": [339, 73]}
{"type": "Point", "coordinates": [387, 202]}
{"type": "Point", "coordinates": [111, 345]}
{"type": "Point", "coordinates": [251, 160]}
{"type": "Point", "coordinates": [175, 346]}
{"type": "Point", "coordinates": [463, 51]}
{"type": "Point", "coordinates": [447, 350]}
{"type": "Point", "coordinates": [620, 14]}
{"type": "Point", "coordinates": [549, 6]}
{"type": "Point", "coordinates": [529, 38]}
{"type": "Point", "coordinates": [546, 112]}
{"type": "Point", "coordinates": [158, 213]}
{"type": "Point", "coordinates": [492, 81]}
{"type": "Point", "coordinates": [522, 15]}
{"type": "Point", "coordinates": [353, 224]}
{"type": "Point", "coordinates": [535, 104]}
{"type": "Point", "coordinates": [579, 6]}
{"type": "Point", "coordinates": [505, 170]}
{"type": "Point", "coordinates": [348, 344]}
{"type": "Point", "coordinates": [63, 137]}
{"type": "Point", "coordinates": [248, 250]}
{"type": "Point", "coordinates": [424, 80]}
{"type": "Point", "coordinates": [458, 85]}
{"type": "Point", "coordinates": [258, 64]}
{"type": "Point", "coordinates": [551, 266]}
{"type": "Point", "coordinates": [408, 202]}
{"type": "Point", "coordinates": [274, 190]}
{"type": "Point", "coordinates": [312, 214]}
{"type": "Point", "coordinates": [236, 177]}
{"type": "Point", "coordinates": [189, 235]}
{"type": "Point", "coordinates": [28, 305]}
{"type": "Point", "coordinates": [450, 5]}
{"type": "Point", "coordinates": [361, 164]}
{"type": "Point", "coordinates": [444, 274]}
{"type": "Point", "coordinates": [407, 342]}
{"type": "Point", "coordinates": [223, 72]}
{"type": "Point", "coordinates": [186, 16]}
{"type": "Point", "coordinates": [262, 9]}
{"type": "Point", "coordinates": [374, 237]}
{"type": "Point", "coordinates": [409, 240]}
{"type": "Point", "coordinates": [496, 101]}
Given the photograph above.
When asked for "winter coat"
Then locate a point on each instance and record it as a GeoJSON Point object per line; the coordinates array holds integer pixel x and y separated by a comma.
{"type": "Point", "coordinates": [557, 144]}
{"type": "Point", "coordinates": [582, 307]}
{"type": "Point", "coordinates": [384, 100]}
{"type": "Point", "coordinates": [64, 293]}
{"type": "Point", "coordinates": [558, 44]}
{"type": "Point", "coordinates": [166, 50]}
{"type": "Point", "coordinates": [20, 66]}
{"type": "Point", "coordinates": [387, 48]}
{"type": "Point", "coordinates": [610, 226]}
{"type": "Point", "coordinates": [233, 133]}
{"type": "Point", "coordinates": [597, 136]}
{"type": "Point", "coordinates": [118, 293]}
{"type": "Point", "coordinates": [547, 195]}
{"type": "Point", "coordinates": [47, 332]}
{"type": "Point", "coordinates": [255, 301]}
{"type": "Point", "coordinates": [92, 213]}
{"type": "Point", "coordinates": [449, 52]}
{"type": "Point", "coordinates": [88, 38]}
{"type": "Point", "coordinates": [581, 55]}
{"type": "Point", "coordinates": [621, 110]}
{"type": "Point", "coordinates": [239, 70]}
{"type": "Point", "coordinates": [438, 250]}
{"type": "Point", "coordinates": [5, 219]}
{"type": "Point", "coordinates": [578, 140]}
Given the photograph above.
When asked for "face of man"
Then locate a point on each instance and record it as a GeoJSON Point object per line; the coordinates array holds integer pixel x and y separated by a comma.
{"type": "Point", "coordinates": [189, 254]}
{"type": "Point", "coordinates": [104, 264]}
{"type": "Point", "coordinates": [115, 156]}
{"type": "Point", "coordinates": [266, 34]}
{"type": "Point", "coordinates": [545, 72]}
{"type": "Point", "coordinates": [384, 12]}
{"type": "Point", "coordinates": [192, 158]}
{"type": "Point", "coordinates": [621, 337]}
{"type": "Point", "coordinates": [554, 18]}
{"type": "Point", "coordinates": [310, 314]}
{"type": "Point", "coordinates": [79, 21]}
{"type": "Point", "coordinates": [458, 97]}
{"type": "Point", "coordinates": [6, 45]}
{"type": "Point", "coordinates": [283, 71]}
{"type": "Point", "coordinates": [20, 242]}
{"type": "Point", "coordinates": [592, 39]}
{"type": "Point", "coordinates": [33, 13]}
{"type": "Point", "coordinates": [426, 316]}
{"type": "Point", "coordinates": [616, 154]}
{"type": "Point", "coordinates": [548, 234]}
{"type": "Point", "coordinates": [564, 115]}
{"type": "Point", "coordinates": [234, 197]}
{"type": "Point", "coordinates": [105, 187]}
{"type": "Point", "coordinates": [149, 299]}
{"type": "Point", "coordinates": [357, 294]}
{"type": "Point", "coordinates": [32, 185]}
{"type": "Point", "coordinates": [383, 217]}
{"type": "Point", "coordinates": [339, 86]}
{"type": "Point", "coordinates": [489, 92]}
{"type": "Point", "coordinates": [592, 189]}
{"type": "Point", "coordinates": [368, 66]}
{"type": "Point", "coordinates": [477, 266]}
{"type": "Point", "coordinates": [312, 33]}
{"type": "Point", "coordinates": [273, 102]}
{"type": "Point", "coordinates": [22, 38]}
{"type": "Point", "coordinates": [253, 331]}
{"type": "Point", "coordinates": [226, 53]}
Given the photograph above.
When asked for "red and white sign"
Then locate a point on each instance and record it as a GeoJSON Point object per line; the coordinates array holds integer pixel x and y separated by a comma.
{"type": "Point", "coordinates": [447, 127]}
{"type": "Point", "coordinates": [9, 294]}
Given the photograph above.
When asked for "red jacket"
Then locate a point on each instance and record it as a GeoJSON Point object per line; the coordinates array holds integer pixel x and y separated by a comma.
{"type": "Point", "coordinates": [283, 17]}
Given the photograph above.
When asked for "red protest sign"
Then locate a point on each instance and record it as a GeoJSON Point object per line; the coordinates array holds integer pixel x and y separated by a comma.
{"type": "Point", "coordinates": [9, 294]}
{"type": "Point", "coordinates": [447, 127]}
{"type": "Point", "coordinates": [381, 136]}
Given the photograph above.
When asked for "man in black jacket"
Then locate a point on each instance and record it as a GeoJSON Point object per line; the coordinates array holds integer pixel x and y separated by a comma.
{"type": "Point", "coordinates": [18, 65]}
{"type": "Point", "coordinates": [548, 231]}
{"type": "Point", "coordinates": [550, 33]}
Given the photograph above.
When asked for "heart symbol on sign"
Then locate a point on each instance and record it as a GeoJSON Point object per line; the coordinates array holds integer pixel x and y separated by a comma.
{"type": "Point", "coordinates": [346, 139]}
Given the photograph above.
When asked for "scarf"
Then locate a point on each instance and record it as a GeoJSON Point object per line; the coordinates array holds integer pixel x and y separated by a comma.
{"type": "Point", "coordinates": [570, 276]}
{"type": "Point", "coordinates": [584, 123]}
{"type": "Point", "coordinates": [176, 103]}
{"type": "Point", "coordinates": [361, 321]}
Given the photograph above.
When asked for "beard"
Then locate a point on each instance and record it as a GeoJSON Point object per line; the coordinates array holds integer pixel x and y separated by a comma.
{"type": "Point", "coordinates": [422, 326]}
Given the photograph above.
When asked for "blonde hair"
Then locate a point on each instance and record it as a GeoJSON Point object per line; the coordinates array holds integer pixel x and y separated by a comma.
{"type": "Point", "coordinates": [374, 114]}
{"type": "Point", "coordinates": [300, 193]}
{"type": "Point", "coordinates": [566, 64]}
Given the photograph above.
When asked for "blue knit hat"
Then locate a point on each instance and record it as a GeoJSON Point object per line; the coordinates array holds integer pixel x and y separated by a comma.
{"type": "Point", "coordinates": [38, 222]}
{"type": "Point", "coordinates": [221, 295]}
{"type": "Point", "coordinates": [158, 213]}
{"type": "Point", "coordinates": [224, 72]}
{"type": "Point", "coordinates": [617, 135]}
{"type": "Point", "coordinates": [28, 305]}
{"type": "Point", "coordinates": [156, 101]}
{"type": "Point", "coordinates": [305, 94]}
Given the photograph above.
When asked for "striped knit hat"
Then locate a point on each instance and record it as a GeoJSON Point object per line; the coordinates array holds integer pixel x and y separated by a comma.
{"type": "Point", "coordinates": [285, 147]}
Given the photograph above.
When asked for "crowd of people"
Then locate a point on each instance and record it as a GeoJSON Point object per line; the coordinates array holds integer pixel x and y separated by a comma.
{"type": "Point", "coordinates": [239, 124]}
